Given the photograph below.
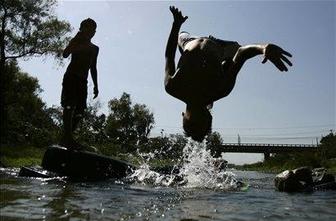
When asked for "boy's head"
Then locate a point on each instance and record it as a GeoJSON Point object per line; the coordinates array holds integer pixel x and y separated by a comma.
{"type": "Point", "coordinates": [197, 123]}
{"type": "Point", "coordinates": [88, 26]}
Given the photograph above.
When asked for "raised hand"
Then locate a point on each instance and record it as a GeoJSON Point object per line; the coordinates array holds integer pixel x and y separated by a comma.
{"type": "Point", "coordinates": [277, 56]}
{"type": "Point", "coordinates": [178, 17]}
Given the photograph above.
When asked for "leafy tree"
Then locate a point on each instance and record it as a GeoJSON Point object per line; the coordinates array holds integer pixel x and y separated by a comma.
{"type": "Point", "coordinates": [31, 28]}
{"type": "Point", "coordinates": [118, 125]}
{"type": "Point", "coordinates": [56, 114]}
{"type": "Point", "coordinates": [328, 146]}
{"type": "Point", "coordinates": [28, 118]}
{"type": "Point", "coordinates": [128, 124]}
{"type": "Point", "coordinates": [143, 121]}
{"type": "Point", "coordinates": [160, 145]}
{"type": "Point", "coordinates": [91, 129]}
{"type": "Point", "coordinates": [28, 28]}
{"type": "Point", "coordinates": [178, 142]}
{"type": "Point", "coordinates": [165, 147]}
{"type": "Point", "coordinates": [214, 142]}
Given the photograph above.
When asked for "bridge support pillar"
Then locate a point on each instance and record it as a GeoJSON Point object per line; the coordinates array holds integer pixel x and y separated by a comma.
{"type": "Point", "coordinates": [267, 155]}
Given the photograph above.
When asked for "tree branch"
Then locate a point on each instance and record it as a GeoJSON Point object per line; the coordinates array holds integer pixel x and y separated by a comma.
{"type": "Point", "coordinates": [31, 52]}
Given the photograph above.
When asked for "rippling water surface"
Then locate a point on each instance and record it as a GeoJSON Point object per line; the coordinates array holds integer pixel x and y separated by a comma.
{"type": "Point", "coordinates": [205, 192]}
{"type": "Point", "coordinates": [112, 200]}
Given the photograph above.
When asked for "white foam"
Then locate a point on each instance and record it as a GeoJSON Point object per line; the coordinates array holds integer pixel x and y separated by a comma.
{"type": "Point", "coordinates": [198, 169]}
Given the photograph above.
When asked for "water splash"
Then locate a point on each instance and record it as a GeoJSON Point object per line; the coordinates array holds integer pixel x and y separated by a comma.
{"type": "Point", "coordinates": [145, 175]}
{"type": "Point", "coordinates": [197, 169]}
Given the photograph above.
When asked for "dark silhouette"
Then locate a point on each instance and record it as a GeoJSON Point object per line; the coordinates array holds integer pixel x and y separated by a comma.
{"type": "Point", "coordinates": [74, 92]}
{"type": "Point", "coordinates": [207, 71]}
{"type": "Point", "coordinates": [28, 29]}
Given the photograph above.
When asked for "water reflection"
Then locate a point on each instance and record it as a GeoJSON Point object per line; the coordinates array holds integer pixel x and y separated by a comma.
{"type": "Point", "coordinates": [200, 198]}
{"type": "Point", "coordinates": [24, 198]}
{"type": "Point", "coordinates": [63, 198]}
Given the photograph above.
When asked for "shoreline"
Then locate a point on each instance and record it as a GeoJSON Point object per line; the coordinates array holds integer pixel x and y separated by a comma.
{"type": "Point", "coordinates": [31, 156]}
{"type": "Point", "coordinates": [261, 167]}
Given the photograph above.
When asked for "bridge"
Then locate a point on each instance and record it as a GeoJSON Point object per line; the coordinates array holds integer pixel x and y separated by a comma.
{"type": "Point", "coordinates": [266, 149]}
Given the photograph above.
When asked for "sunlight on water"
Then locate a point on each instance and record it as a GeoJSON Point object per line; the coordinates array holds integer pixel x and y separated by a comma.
{"type": "Point", "coordinates": [198, 169]}
{"type": "Point", "coordinates": [180, 195]}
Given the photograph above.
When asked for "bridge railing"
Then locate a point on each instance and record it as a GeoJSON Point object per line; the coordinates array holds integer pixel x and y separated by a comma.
{"type": "Point", "coordinates": [268, 145]}
{"type": "Point", "coordinates": [266, 148]}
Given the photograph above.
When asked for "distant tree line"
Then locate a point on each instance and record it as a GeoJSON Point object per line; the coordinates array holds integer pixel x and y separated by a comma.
{"type": "Point", "coordinates": [325, 156]}
{"type": "Point", "coordinates": [31, 28]}
{"type": "Point", "coordinates": [27, 119]}
{"type": "Point", "coordinates": [125, 129]}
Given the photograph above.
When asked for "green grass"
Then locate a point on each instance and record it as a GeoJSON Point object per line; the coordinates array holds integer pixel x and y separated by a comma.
{"type": "Point", "coordinates": [117, 152]}
{"type": "Point", "coordinates": [330, 165]}
{"type": "Point", "coordinates": [19, 156]}
{"type": "Point", "coordinates": [261, 167]}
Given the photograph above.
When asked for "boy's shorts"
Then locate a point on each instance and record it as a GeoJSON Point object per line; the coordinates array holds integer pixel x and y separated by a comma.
{"type": "Point", "coordinates": [74, 93]}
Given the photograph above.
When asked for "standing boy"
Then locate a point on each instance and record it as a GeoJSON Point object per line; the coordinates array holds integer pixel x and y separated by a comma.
{"type": "Point", "coordinates": [74, 91]}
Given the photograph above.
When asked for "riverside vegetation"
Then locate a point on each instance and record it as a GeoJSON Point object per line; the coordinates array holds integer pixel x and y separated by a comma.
{"type": "Point", "coordinates": [124, 132]}
{"type": "Point", "coordinates": [28, 126]}
{"type": "Point", "coordinates": [324, 157]}
{"type": "Point", "coordinates": [31, 126]}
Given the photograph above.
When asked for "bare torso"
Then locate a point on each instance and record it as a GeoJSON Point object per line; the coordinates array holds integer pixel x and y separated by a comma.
{"type": "Point", "coordinates": [199, 76]}
{"type": "Point", "coordinates": [81, 60]}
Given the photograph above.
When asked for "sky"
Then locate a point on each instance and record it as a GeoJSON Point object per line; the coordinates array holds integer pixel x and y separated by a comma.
{"type": "Point", "coordinates": [266, 106]}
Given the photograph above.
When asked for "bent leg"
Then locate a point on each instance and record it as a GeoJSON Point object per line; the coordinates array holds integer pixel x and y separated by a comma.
{"type": "Point", "coordinates": [226, 49]}
{"type": "Point", "coordinates": [228, 78]}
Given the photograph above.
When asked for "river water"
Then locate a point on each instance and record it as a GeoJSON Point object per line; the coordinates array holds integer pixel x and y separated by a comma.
{"type": "Point", "coordinates": [146, 195]}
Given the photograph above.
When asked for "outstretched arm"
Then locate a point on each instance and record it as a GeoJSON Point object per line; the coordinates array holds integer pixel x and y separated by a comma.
{"type": "Point", "coordinates": [179, 19]}
{"type": "Point", "coordinates": [270, 51]}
